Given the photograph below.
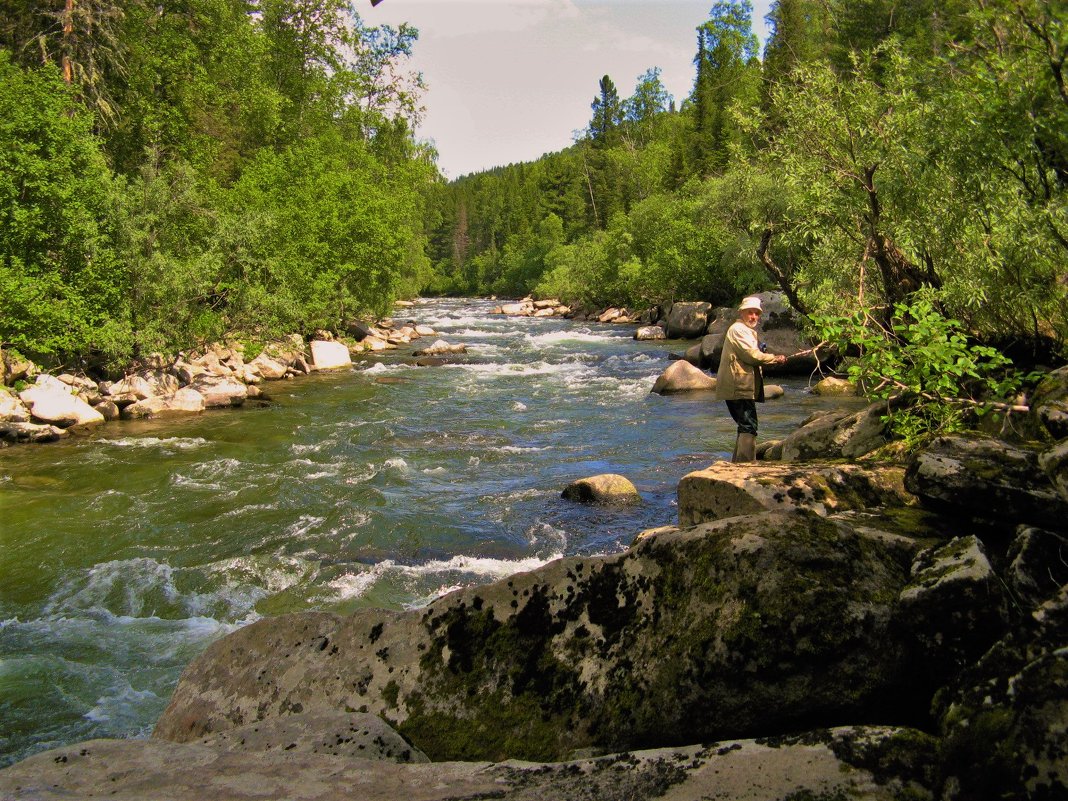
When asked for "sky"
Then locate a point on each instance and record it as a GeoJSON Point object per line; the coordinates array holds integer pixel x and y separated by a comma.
{"type": "Point", "coordinates": [510, 80]}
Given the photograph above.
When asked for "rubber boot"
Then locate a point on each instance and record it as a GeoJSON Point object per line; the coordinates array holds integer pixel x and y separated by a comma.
{"type": "Point", "coordinates": [745, 448]}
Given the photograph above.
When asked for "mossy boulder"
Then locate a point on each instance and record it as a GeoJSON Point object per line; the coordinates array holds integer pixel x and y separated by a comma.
{"type": "Point", "coordinates": [736, 628]}
{"type": "Point", "coordinates": [1004, 721]}
{"type": "Point", "coordinates": [980, 477]}
{"type": "Point", "coordinates": [608, 488]}
{"type": "Point", "coordinates": [1049, 403]}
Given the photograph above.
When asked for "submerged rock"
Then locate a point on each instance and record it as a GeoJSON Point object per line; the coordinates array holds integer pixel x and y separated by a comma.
{"type": "Point", "coordinates": [441, 348]}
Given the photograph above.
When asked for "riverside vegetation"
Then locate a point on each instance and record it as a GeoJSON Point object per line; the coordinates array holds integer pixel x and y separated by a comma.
{"type": "Point", "coordinates": [183, 173]}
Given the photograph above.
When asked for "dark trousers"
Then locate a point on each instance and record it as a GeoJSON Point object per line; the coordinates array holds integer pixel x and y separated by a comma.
{"type": "Point", "coordinates": [744, 414]}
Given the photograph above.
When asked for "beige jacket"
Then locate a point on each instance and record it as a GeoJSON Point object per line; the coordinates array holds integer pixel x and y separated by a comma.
{"type": "Point", "coordinates": [738, 375]}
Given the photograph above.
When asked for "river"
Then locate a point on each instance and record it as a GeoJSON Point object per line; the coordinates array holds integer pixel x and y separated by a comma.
{"type": "Point", "coordinates": [127, 551]}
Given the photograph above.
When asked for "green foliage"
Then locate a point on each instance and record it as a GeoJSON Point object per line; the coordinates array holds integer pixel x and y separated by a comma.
{"type": "Point", "coordinates": [212, 167]}
{"type": "Point", "coordinates": [937, 378]}
{"type": "Point", "coordinates": [58, 213]}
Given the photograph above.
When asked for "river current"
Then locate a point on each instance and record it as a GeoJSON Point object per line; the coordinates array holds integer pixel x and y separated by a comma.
{"type": "Point", "coordinates": [127, 551]}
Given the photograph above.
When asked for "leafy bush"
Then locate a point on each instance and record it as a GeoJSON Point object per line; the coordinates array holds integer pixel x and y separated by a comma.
{"type": "Point", "coordinates": [926, 362]}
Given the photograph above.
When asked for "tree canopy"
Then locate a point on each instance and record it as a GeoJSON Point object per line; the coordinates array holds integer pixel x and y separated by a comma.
{"type": "Point", "coordinates": [187, 169]}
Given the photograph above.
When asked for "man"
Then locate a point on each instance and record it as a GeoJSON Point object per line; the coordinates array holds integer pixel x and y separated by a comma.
{"type": "Point", "coordinates": [739, 381]}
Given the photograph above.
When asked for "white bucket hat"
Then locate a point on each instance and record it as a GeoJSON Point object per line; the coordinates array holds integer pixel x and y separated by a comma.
{"type": "Point", "coordinates": [751, 302]}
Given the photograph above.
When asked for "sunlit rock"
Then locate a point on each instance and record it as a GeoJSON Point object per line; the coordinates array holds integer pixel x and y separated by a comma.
{"type": "Point", "coordinates": [728, 629]}
{"type": "Point", "coordinates": [12, 409]}
{"type": "Point", "coordinates": [327, 355]}
{"type": "Point", "coordinates": [440, 348]}
{"type": "Point", "coordinates": [837, 435]}
{"type": "Point", "coordinates": [270, 369]}
{"type": "Point", "coordinates": [51, 402]}
{"type": "Point", "coordinates": [681, 376]}
{"type": "Point", "coordinates": [726, 489]}
{"type": "Point", "coordinates": [826, 763]}
{"type": "Point", "coordinates": [185, 401]}
{"type": "Point", "coordinates": [517, 309]}
{"type": "Point", "coordinates": [648, 333]}
{"type": "Point", "coordinates": [831, 386]}
{"type": "Point", "coordinates": [605, 488]}
{"type": "Point", "coordinates": [220, 391]}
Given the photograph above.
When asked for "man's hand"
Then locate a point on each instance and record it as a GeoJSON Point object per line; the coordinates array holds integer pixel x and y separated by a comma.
{"type": "Point", "coordinates": [780, 359]}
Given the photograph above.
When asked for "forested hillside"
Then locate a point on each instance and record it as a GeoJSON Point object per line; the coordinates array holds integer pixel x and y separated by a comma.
{"type": "Point", "coordinates": [878, 149]}
{"type": "Point", "coordinates": [172, 172]}
{"type": "Point", "coordinates": [179, 171]}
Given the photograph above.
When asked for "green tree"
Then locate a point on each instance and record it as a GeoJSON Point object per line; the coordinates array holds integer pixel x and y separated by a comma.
{"type": "Point", "coordinates": [650, 97]}
{"type": "Point", "coordinates": [727, 72]}
{"type": "Point", "coordinates": [607, 112]}
{"type": "Point", "coordinates": [61, 295]}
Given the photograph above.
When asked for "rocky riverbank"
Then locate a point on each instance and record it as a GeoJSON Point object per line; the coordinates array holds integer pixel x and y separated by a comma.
{"type": "Point", "coordinates": [813, 627]}
{"type": "Point", "coordinates": [36, 406]}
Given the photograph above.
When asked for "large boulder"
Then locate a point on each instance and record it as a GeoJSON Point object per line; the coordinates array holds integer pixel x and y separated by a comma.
{"type": "Point", "coordinates": [606, 488]}
{"type": "Point", "coordinates": [726, 489]}
{"type": "Point", "coordinates": [51, 402]}
{"type": "Point", "coordinates": [778, 313]}
{"type": "Point", "coordinates": [873, 763]}
{"type": "Point", "coordinates": [329, 355]}
{"type": "Point", "coordinates": [1003, 720]}
{"type": "Point", "coordinates": [220, 391]}
{"type": "Point", "coordinates": [687, 320]}
{"type": "Point", "coordinates": [843, 434]}
{"type": "Point", "coordinates": [954, 606]}
{"type": "Point", "coordinates": [681, 376]}
{"type": "Point", "coordinates": [975, 476]}
{"type": "Point", "coordinates": [354, 735]}
{"type": "Point", "coordinates": [755, 624]}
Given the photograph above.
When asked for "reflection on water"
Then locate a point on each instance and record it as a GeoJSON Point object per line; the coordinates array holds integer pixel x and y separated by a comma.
{"type": "Point", "coordinates": [127, 551]}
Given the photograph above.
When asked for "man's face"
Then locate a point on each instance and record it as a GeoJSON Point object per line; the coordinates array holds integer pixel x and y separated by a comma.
{"type": "Point", "coordinates": [751, 317]}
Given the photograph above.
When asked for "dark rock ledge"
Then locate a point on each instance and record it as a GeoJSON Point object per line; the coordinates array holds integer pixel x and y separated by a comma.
{"type": "Point", "coordinates": [818, 630]}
